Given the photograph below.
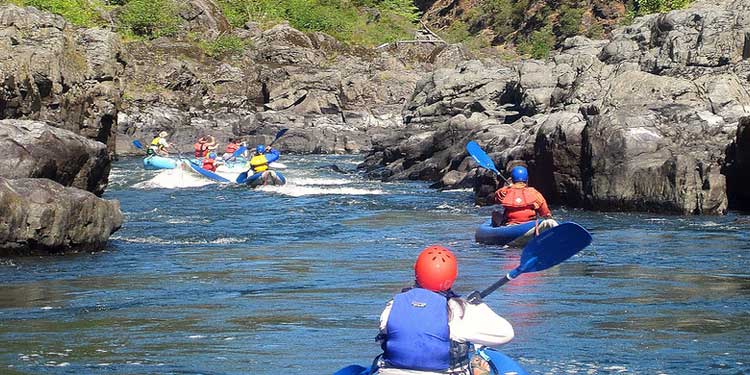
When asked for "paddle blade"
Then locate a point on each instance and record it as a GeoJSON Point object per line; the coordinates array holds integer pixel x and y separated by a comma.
{"type": "Point", "coordinates": [480, 156]}
{"type": "Point", "coordinates": [553, 246]}
{"type": "Point", "coordinates": [138, 144]}
{"type": "Point", "coordinates": [280, 133]}
{"type": "Point", "coordinates": [239, 151]}
{"type": "Point", "coordinates": [241, 178]}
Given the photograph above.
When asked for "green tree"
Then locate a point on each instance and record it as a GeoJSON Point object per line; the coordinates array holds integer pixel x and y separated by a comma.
{"type": "Point", "coordinates": [569, 23]}
{"type": "Point", "coordinates": [150, 18]}
{"type": "Point", "coordinates": [659, 6]}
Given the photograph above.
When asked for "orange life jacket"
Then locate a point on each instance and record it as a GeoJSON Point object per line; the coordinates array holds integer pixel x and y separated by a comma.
{"type": "Point", "coordinates": [520, 204]}
{"type": "Point", "coordinates": [200, 149]}
{"type": "Point", "coordinates": [232, 147]}
{"type": "Point", "coordinates": [209, 165]}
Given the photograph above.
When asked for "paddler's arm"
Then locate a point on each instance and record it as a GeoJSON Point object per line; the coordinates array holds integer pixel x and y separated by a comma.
{"type": "Point", "coordinates": [272, 155]}
{"type": "Point", "coordinates": [478, 324]}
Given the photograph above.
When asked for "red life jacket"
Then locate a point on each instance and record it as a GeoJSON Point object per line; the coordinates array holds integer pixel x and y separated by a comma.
{"type": "Point", "coordinates": [209, 165]}
{"type": "Point", "coordinates": [200, 149]}
{"type": "Point", "coordinates": [232, 147]}
{"type": "Point", "coordinates": [520, 204]}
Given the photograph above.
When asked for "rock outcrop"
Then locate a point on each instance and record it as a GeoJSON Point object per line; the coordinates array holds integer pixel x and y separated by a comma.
{"type": "Point", "coordinates": [641, 122]}
{"type": "Point", "coordinates": [41, 216]}
{"type": "Point", "coordinates": [36, 150]}
{"type": "Point", "coordinates": [52, 72]}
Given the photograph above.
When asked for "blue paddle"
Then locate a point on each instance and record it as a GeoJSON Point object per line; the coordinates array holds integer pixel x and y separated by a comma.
{"type": "Point", "coordinates": [546, 250]}
{"type": "Point", "coordinates": [138, 144]}
{"type": "Point", "coordinates": [242, 178]}
{"type": "Point", "coordinates": [483, 159]}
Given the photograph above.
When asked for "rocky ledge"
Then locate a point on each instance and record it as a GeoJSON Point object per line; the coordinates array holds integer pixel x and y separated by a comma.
{"type": "Point", "coordinates": [41, 216]}
{"type": "Point", "coordinates": [44, 178]}
{"type": "Point", "coordinates": [652, 119]}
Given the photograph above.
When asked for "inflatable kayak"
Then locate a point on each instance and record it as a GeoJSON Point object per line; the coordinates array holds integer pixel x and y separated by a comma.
{"type": "Point", "coordinates": [500, 364]}
{"type": "Point", "coordinates": [192, 166]}
{"type": "Point", "coordinates": [159, 162]}
{"type": "Point", "coordinates": [266, 178]}
{"type": "Point", "coordinates": [515, 235]}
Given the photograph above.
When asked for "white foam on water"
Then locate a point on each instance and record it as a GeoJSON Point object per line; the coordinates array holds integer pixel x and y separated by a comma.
{"type": "Point", "coordinates": [196, 337]}
{"type": "Point", "coordinates": [446, 206]}
{"type": "Point", "coordinates": [320, 181]}
{"type": "Point", "coordinates": [174, 179]}
{"type": "Point", "coordinates": [294, 190]}
{"type": "Point", "coordinates": [163, 241]}
{"type": "Point", "coordinates": [466, 190]}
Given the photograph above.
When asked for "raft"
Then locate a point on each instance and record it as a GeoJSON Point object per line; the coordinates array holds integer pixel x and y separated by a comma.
{"type": "Point", "coordinates": [501, 364]}
{"type": "Point", "coordinates": [518, 234]}
{"type": "Point", "coordinates": [266, 178]}
{"type": "Point", "coordinates": [154, 162]}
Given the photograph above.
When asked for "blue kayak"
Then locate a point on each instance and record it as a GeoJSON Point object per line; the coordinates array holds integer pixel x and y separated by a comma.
{"type": "Point", "coordinates": [490, 235]}
{"type": "Point", "coordinates": [190, 165]}
{"type": "Point", "coordinates": [159, 162]}
{"type": "Point", "coordinates": [266, 178]}
{"type": "Point", "coordinates": [500, 364]}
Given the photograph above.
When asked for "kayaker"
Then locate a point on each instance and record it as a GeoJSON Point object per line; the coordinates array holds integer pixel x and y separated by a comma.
{"type": "Point", "coordinates": [232, 146]}
{"type": "Point", "coordinates": [159, 145]}
{"type": "Point", "coordinates": [210, 163]}
{"type": "Point", "coordinates": [521, 203]}
{"type": "Point", "coordinates": [201, 147]}
{"type": "Point", "coordinates": [428, 329]}
{"type": "Point", "coordinates": [263, 156]}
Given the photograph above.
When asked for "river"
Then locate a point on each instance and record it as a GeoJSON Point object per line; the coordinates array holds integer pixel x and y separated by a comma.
{"type": "Point", "coordinates": [210, 279]}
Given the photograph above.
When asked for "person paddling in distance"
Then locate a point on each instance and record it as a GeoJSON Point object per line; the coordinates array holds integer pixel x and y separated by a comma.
{"type": "Point", "coordinates": [428, 329]}
{"type": "Point", "coordinates": [521, 202]}
{"type": "Point", "coordinates": [201, 147]}
{"type": "Point", "coordinates": [159, 145]}
{"type": "Point", "coordinates": [210, 162]}
{"type": "Point", "coordinates": [263, 156]}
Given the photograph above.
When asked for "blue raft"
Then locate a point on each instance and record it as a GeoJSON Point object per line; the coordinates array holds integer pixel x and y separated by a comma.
{"type": "Point", "coordinates": [266, 178]}
{"type": "Point", "coordinates": [490, 235]}
{"type": "Point", "coordinates": [159, 162]}
{"type": "Point", "coordinates": [500, 364]}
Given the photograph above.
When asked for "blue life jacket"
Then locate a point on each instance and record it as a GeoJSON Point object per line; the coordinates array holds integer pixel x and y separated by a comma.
{"type": "Point", "coordinates": [418, 336]}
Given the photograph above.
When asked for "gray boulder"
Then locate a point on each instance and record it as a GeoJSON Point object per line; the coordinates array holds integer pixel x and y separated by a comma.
{"type": "Point", "coordinates": [37, 150]}
{"type": "Point", "coordinates": [41, 216]}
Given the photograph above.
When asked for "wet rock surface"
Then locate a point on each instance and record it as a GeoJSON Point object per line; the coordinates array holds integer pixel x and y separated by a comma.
{"type": "Point", "coordinates": [41, 216]}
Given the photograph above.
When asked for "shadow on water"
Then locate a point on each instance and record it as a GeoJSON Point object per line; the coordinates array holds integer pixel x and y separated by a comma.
{"type": "Point", "coordinates": [226, 280]}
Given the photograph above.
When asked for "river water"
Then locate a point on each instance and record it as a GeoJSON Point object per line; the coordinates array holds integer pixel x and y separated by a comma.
{"type": "Point", "coordinates": [209, 279]}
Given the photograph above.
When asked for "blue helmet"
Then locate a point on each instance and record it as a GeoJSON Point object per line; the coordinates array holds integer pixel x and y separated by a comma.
{"type": "Point", "coordinates": [260, 149]}
{"type": "Point", "coordinates": [519, 174]}
{"type": "Point", "coordinates": [212, 155]}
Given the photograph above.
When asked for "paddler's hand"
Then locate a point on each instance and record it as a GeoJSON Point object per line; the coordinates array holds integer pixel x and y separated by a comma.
{"type": "Point", "coordinates": [474, 298]}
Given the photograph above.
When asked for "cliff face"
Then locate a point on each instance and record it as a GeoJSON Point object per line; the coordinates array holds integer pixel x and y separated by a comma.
{"type": "Point", "coordinates": [334, 98]}
{"type": "Point", "coordinates": [641, 122]}
{"type": "Point", "coordinates": [59, 97]}
{"type": "Point", "coordinates": [50, 71]}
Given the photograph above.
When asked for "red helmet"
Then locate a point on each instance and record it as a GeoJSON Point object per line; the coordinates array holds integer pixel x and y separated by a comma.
{"type": "Point", "coordinates": [436, 268]}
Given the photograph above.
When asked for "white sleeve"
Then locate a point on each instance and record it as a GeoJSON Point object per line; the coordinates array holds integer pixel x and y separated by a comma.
{"type": "Point", "coordinates": [478, 325]}
{"type": "Point", "coordinates": [384, 316]}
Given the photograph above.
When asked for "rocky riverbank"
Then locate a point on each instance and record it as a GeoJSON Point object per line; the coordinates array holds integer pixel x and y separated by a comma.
{"type": "Point", "coordinates": [62, 84]}
{"type": "Point", "coordinates": [653, 119]}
